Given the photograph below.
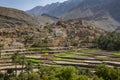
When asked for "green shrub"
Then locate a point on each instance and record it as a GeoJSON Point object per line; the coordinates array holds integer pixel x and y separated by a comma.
{"type": "Point", "coordinates": [110, 42]}
{"type": "Point", "coordinates": [116, 54]}
{"type": "Point", "coordinates": [108, 73]}
{"type": "Point", "coordinates": [34, 49]}
{"type": "Point", "coordinates": [82, 77]}
{"type": "Point", "coordinates": [67, 73]}
{"type": "Point", "coordinates": [97, 78]}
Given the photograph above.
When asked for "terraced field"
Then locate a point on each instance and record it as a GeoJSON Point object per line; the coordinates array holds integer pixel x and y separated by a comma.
{"type": "Point", "coordinates": [84, 58]}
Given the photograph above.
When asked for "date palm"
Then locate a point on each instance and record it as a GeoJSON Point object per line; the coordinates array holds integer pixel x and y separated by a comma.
{"type": "Point", "coordinates": [22, 61]}
{"type": "Point", "coordinates": [1, 47]}
{"type": "Point", "coordinates": [15, 60]}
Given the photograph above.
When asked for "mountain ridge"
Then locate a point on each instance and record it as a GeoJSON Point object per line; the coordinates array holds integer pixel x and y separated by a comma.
{"type": "Point", "coordinates": [88, 8]}
{"type": "Point", "coordinates": [55, 9]}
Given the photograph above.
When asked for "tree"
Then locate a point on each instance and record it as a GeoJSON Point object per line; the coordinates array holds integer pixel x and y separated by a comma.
{"type": "Point", "coordinates": [28, 67]}
{"type": "Point", "coordinates": [1, 76]}
{"type": "Point", "coordinates": [85, 72]}
{"type": "Point", "coordinates": [82, 77]}
{"type": "Point", "coordinates": [110, 41]}
{"type": "Point", "coordinates": [49, 29]}
{"type": "Point", "coordinates": [28, 38]}
{"type": "Point", "coordinates": [1, 47]}
{"type": "Point", "coordinates": [33, 76]}
{"type": "Point", "coordinates": [67, 73]}
{"type": "Point", "coordinates": [47, 73]}
{"type": "Point", "coordinates": [108, 73]}
{"type": "Point", "coordinates": [97, 78]}
{"type": "Point", "coordinates": [22, 61]}
{"type": "Point", "coordinates": [15, 60]}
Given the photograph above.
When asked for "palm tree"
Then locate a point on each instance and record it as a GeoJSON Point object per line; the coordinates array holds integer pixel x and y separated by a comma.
{"type": "Point", "coordinates": [22, 61]}
{"type": "Point", "coordinates": [1, 46]}
{"type": "Point", "coordinates": [15, 60]}
{"type": "Point", "coordinates": [28, 67]}
{"type": "Point", "coordinates": [28, 38]}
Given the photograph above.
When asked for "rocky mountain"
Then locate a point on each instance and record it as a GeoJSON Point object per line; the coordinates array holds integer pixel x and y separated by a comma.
{"type": "Point", "coordinates": [79, 8]}
{"type": "Point", "coordinates": [15, 25]}
{"type": "Point", "coordinates": [55, 9]}
{"type": "Point", "coordinates": [12, 17]}
{"type": "Point", "coordinates": [73, 9]}
{"type": "Point", "coordinates": [103, 20]}
{"type": "Point", "coordinates": [44, 19]}
{"type": "Point", "coordinates": [19, 28]}
{"type": "Point", "coordinates": [52, 17]}
{"type": "Point", "coordinates": [92, 8]}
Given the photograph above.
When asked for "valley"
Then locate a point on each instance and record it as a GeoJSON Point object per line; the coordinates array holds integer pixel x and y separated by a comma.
{"type": "Point", "coordinates": [70, 40]}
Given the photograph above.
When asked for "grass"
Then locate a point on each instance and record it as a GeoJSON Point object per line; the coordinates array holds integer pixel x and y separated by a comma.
{"type": "Point", "coordinates": [81, 56]}
{"type": "Point", "coordinates": [65, 54]}
{"type": "Point", "coordinates": [43, 49]}
{"type": "Point", "coordinates": [33, 60]}
{"type": "Point", "coordinates": [103, 59]}
{"type": "Point", "coordinates": [47, 51]}
{"type": "Point", "coordinates": [62, 59]}
{"type": "Point", "coordinates": [57, 59]}
{"type": "Point", "coordinates": [117, 54]}
{"type": "Point", "coordinates": [7, 57]}
{"type": "Point", "coordinates": [34, 49]}
{"type": "Point", "coordinates": [89, 50]}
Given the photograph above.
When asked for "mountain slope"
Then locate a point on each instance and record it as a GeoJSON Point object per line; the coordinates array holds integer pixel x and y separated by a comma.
{"type": "Point", "coordinates": [55, 9]}
{"type": "Point", "coordinates": [43, 20]}
{"type": "Point", "coordinates": [91, 8]}
{"type": "Point", "coordinates": [39, 10]}
{"type": "Point", "coordinates": [103, 20]}
{"type": "Point", "coordinates": [18, 27]}
{"type": "Point", "coordinates": [12, 17]}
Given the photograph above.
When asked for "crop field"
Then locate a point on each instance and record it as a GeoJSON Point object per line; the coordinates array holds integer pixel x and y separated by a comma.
{"type": "Point", "coordinates": [84, 58]}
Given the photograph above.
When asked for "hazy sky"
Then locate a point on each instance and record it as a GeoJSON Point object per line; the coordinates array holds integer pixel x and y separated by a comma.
{"type": "Point", "coordinates": [26, 4]}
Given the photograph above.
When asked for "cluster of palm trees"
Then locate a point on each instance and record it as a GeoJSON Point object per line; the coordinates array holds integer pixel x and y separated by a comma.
{"type": "Point", "coordinates": [18, 59]}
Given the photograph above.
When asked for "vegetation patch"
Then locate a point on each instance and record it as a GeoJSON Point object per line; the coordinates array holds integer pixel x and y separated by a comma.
{"type": "Point", "coordinates": [34, 49]}
{"type": "Point", "coordinates": [62, 59]}
{"type": "Point", "coordinates": [110, 42]}
{"type": "Point", "coordinates": [117, 54]}
{"type": "Point", "coordinates": [89, 51]}
{"type": "Point", "coordinates": [33, 60]}
{"type": "Point", "coordinates": [103, 59]}
{"type": "Point", "coordinates": [65, 54]}
{"type": "Point", "coordinates": [48, 50]}
{"type": "Point", "coordinates": [7, 56]}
